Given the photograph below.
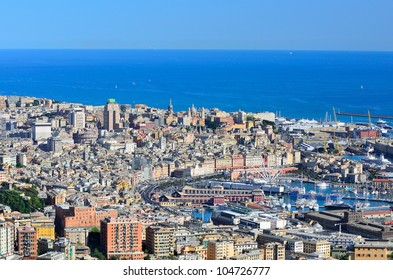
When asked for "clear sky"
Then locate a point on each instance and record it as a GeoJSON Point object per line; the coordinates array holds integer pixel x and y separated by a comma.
{"type": "Point", "coordinates": [198, 24]}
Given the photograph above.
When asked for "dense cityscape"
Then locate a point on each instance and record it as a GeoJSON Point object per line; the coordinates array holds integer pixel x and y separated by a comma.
{"type": "Point", "coordinates": [116, 181]}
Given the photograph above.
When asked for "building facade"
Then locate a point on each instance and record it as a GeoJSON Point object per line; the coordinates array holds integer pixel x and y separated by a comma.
{"type": "Point", "coordinates": [121, 238]}
{"type": "Point", "coordinates": [220, 250]}
{"type": "Point", "coordinates": [160, 241]}
{"type": "Point", "coordinates": [6, 239]}
{"type": "Point", "coordinates": [27, 242]}
{"type": "Point", "coordinates": [373, 250]}
{"type": "Point", "coordinates": [317, 246]}
{"type": "Point", "coordinates": [111, 115]}
{"type": "Point", "coordinates": [273, 251]}
{"type": "Point", "coordinates": [77, 118]}
{"type": "Point", "coordinates": [217, 195]}
{"type": "Point", "coordinates": [80, 217]}
{"type": "Point", "coordinates": [41, 131]}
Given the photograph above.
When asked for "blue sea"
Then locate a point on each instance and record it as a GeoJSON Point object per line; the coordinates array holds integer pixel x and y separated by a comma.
{"type": "Point", "coordinates": [296, 84]}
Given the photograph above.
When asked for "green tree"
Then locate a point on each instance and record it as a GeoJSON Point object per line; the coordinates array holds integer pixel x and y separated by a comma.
{"type": "Point", "coordinates": [98, 254]}
{"type": "Point", "coordinates": [95, 230]}
{"type": "Point", "coordinates": [390, 256]}
{"type": "Point", "coordinates": [343, 257]}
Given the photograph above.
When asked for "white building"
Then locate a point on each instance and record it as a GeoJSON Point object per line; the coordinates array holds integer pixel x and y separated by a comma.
{"type": "Point", "coordinates": [6, 239]}
{"type": "Point", "coordinates": [245, 246]}
{"type": "Point", "coordinates": [295, 245]}
{"type": "Point", "coordinates": [77, 118]}
{"type": "Point", "coordinates": [41, 132]}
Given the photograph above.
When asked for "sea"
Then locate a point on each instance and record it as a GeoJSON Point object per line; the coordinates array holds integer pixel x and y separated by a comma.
{"type": "Point", "coordinates": [295, 84]}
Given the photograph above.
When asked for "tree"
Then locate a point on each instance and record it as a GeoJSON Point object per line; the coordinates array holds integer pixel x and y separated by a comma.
{"type": "Point", "coordinates": [95, 230]}
{"type": "Point", "coordinates": [250, 118]}
{"type": "Point", "coordinates": [390, 256]}
{"type": "Point", "coordinates": [343, 257]}
{"type": "Point", "coordinates": [97, 254]}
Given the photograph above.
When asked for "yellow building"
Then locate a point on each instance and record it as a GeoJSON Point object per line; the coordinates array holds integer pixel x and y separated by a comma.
{"type": "Point", "coordinates": [160, 241]}
{"type": "Point", "coordinates": [220, 250]}
{"type": "Point", "coordinates": [169, 119]}
{"type": "Point", "coordinates": [195, 250]}
{"type": "Point", "coordinates": [373, 250]}
{"type": "Point", "coordinates": [253, 255]}
{"type": "Point", "coordinates": [168, 204]}
{"type": "Point", "coordinates": [317, 246]}
{"type": "Point", "coordinates": [44, 228]}
{"type": "Point", "coordinates": [273, 251]}
{"type": "Point", "coordinates": [207, 237]}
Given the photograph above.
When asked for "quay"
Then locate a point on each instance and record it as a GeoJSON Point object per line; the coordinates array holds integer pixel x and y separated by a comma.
{"type": "Point", "coordinates": [368, 199]}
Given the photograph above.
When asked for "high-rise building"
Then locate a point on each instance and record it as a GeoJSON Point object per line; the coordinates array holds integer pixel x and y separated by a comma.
{"type": "Point", "coordinates": [160, 241]}
{"type": "Point", "coordinates": [41, 131]}
{"type": "Point", "coordinates": [21, 159]}
{"type": "Point", "coordinates": [6, 239]}
{"type": "Point", "coordinates": [121, 238]}
{"type": "Point", "coordinates": [27, 242]}
{"type": "Point", "coordinates": [54, 144]}
{"type": "Point", "coordinates": [112, 115]}
{"type": "Point", "coordinates": [77, 118]}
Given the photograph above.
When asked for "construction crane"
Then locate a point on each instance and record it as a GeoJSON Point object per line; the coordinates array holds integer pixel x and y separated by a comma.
{"type": "Point", "coordinates": [334, 135]}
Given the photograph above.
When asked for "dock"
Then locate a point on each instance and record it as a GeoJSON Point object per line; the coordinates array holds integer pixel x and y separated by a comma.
{"type": "Point", "coordinates": [365, 115]}
{"type": "Point", "coordinates": [368, 199]}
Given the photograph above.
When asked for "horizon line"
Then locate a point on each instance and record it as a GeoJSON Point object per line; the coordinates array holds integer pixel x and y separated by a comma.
{"type": "Point", "coordinates": [189, 49]}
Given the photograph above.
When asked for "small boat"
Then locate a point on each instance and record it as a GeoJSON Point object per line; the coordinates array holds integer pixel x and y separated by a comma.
{"type": "Point", "coordinates": [322, 185]}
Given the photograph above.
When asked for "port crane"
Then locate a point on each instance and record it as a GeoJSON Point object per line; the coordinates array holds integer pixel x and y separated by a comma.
{"type": "Point", "coordinates": [334, 135]}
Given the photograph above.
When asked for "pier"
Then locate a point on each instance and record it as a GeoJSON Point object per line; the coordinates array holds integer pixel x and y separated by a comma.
{"type": "Point", "coordinates": [368, 199]}
{"type": "Point", "coordinates": [365, 115]}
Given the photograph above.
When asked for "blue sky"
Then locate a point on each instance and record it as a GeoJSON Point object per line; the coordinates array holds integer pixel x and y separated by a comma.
{"type": "Point", "coordinates": [199, 24]}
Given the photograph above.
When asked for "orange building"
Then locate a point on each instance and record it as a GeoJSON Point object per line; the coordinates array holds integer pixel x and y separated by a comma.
{"type": "Point", "coordinates": [238, 161]}
{"type": "Point", "coordinates": [27, 243]}
{"type": "Point", "coordinates": [121, 238]}
{"type": "Point", "coordinates": [80, 217]}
